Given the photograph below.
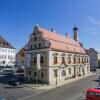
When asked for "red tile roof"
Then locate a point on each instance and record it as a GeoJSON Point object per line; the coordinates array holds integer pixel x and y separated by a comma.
{"type": "Point", "coordinates": [5, 44]}
{"type": "Point", "coordinates": [62, 43]}
{"type": "Point", "coordinates": [21, 51]}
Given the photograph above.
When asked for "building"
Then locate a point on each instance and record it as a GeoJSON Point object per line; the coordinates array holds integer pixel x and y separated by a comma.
{"type": "Point", "coordinates": [98, 60]}
{"type": "Point", "coordinates": [7, 53]}
{"type": "Point", "coordinates": [20, 57]}
{"type": "Point", "coordinates": [53, 58]}
{"type": "Point", "coordinates": [93, 55]}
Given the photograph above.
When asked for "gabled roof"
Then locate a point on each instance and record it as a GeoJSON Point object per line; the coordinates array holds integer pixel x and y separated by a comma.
{"type": "Point", "coordinates": [21, 51]}
{"type": "Point", "coordinates": [5, 44]}
{"type": "Point", "coordinates": [62, 43]}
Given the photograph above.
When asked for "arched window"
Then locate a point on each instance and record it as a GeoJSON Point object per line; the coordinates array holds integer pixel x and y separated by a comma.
{"type": "Point", "coordinates": [63, 73]}
{"type": "Point", "coordinates": [63, 60]}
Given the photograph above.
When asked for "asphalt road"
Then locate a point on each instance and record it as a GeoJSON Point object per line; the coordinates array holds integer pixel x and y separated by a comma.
{"type": "Point", "coordinates": [14, 93]}
{"type": "Point", "coordinates": [72, 91]}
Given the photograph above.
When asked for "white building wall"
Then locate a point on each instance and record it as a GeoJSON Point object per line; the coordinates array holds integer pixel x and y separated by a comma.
{"type": "Point", "coordinates": [8, 56]}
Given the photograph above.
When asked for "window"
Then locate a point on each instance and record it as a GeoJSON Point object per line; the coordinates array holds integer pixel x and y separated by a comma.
{"type": "Point", "coordinates": [35, 46]}
{"type": "Point", "coordinates": [22, 54]}
{"type": "Point", "coordinates": [90, 93]}
{"type": "Point", "coordinates": [69, 60]}
{"type": "Point", "coordinates": [35, 38]}
{"type": "Point", "coordinates": [35, 60]}
{"type": "Point", "coordinates": [63, 73]}
{"type": "Point", "coordinates": [29, 72]}
{"type": "Point", "coordinates": [55, 60]}
{"type": "Point", "coordinates": [74, 60]}
{"type": "Point", "coordinates": [35, 74]}
{"type": "Point", "coordinates": [78, 60]}
{"type": "Point", "coordinates": [82, 60]}
{"type": "Point", "coordinates": [63, 60]}
{"type": "Point", "coordinates": [39, 45]}
{"type": "Point", "coordinates": [87, 60]}
{"type": "Point", "coordinates": [41, 59]}
{"type": "Point", "coordinates": [69, 71]}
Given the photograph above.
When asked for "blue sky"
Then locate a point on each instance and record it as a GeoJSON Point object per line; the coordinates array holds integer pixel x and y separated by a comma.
{"type": "Point", "coordinates": [18, 17]}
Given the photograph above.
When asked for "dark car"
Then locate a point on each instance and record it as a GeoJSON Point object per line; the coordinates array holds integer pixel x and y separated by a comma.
{"type": "Point", "coordinates": [20, 70]}
{"type": "Point", "coordinates": [7, 72]}
{"type": "Point", "coordinates": [13, 82]}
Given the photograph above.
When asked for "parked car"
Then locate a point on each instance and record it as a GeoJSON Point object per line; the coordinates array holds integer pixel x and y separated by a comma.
{"type": "Point", "coordinates": [14, 82]}
{"type": "Point", "coordinates": [7, 72]}
{"type": "Point", "coordinates": [20, 70]}
{"type": "Point", "coordinates": [9, 67]}
{"type": "Point", "coordinates": [1, 67]}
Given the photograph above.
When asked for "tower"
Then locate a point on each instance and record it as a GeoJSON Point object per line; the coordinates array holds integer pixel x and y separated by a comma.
{"type": "Point", "coordinates": [75, 30]}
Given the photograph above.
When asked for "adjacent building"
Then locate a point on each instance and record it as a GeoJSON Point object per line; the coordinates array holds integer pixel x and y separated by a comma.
{"type": "Point", "coordinates": [53, 58]}
{"type": "Point", "coordinates": [93, 55]}
{"type": "Point", "coordinates": [7, 53]}
{"type": "Point", "coordinates": [20, 57]}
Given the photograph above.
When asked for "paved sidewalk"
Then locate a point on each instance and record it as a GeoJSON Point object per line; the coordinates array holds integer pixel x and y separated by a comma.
{"type": "Point", "coordinates": [47, 87]}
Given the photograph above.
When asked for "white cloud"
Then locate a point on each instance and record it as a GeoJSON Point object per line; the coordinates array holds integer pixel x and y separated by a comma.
{"type": "Point", "coordinates": [94, 26]}
{"type": "Point", "coordinates": [94, 21]}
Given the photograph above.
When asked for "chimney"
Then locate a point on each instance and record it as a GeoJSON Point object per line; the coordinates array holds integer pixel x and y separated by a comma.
{"type": "Point", "coordinates": [52, 30]}
{"type": "Point", "coordinates": [75, 37]}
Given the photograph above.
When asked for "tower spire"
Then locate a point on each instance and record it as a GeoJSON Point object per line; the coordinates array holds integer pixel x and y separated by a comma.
{"type": "Point", "coordinates": [75, 30]}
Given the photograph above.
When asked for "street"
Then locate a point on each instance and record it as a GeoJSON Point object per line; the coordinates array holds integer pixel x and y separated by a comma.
{"type": "Point", "coordinates": [13, 93]}
{"type": "Point", "coordinates": [72, 91]}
